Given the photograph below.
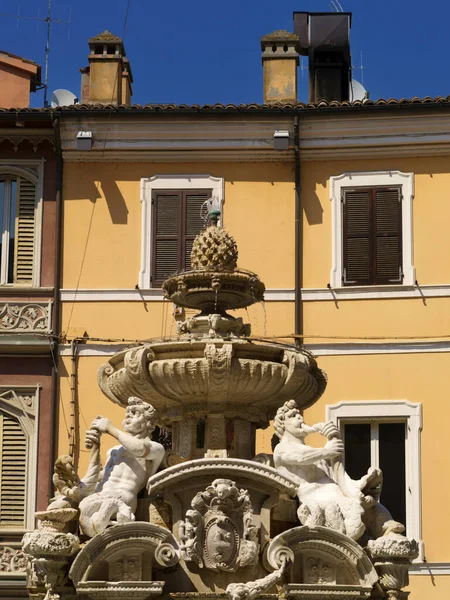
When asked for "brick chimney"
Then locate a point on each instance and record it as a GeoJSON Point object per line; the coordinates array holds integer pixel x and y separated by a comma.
{"type": "Point", "coordinates": [18, 77]}
{"type": "Point", "coordinates": [108, 78]}
{"type": "Point", "coordinates": [280, 61]}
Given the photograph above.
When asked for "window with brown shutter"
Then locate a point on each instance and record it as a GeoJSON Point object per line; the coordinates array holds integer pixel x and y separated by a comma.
{"type": "Point", "coordinates": [17, 224]}
{"type": "Point", "coordinates": [372, 236]}
{"type": "Point", "coordinates": [13, 473]}
{"type": "Point", "coordinates": [176, 222]}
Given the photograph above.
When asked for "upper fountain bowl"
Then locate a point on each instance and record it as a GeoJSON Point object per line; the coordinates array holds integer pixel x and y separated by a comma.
{"type": "Point", "coordinates": [215, 284]}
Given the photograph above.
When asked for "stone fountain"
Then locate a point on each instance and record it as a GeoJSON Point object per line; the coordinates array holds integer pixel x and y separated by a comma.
{"type": "Point", "coordinates": [207, 518]}
{"type": "Point", "coordinates": [211, 386]}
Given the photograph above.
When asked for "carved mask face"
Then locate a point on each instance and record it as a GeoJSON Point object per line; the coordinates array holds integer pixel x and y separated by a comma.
{"type": "Point", "coordinates": [134, 422]}
{"type": "Point", "coordinates": [293, 423]}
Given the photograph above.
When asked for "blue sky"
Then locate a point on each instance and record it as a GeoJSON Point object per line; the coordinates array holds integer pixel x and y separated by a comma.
{"type": "Point", "coordinates": [204, 51]}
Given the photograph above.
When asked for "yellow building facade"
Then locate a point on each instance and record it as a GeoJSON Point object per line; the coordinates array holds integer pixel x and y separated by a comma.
{"type": "Point", "coordinates": [385, 348]}
{"type": "Point", "coordinates": [341, 209]}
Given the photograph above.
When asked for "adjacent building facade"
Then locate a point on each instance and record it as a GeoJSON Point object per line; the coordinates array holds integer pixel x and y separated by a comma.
{"type": "Point", "coordinates": [28, 184]}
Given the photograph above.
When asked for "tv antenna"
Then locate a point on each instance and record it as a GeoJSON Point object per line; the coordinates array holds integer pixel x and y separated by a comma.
{"type": "Point", "coordinates": [48, 20]}
{"type": "Point", "coordinates": [336, 6]}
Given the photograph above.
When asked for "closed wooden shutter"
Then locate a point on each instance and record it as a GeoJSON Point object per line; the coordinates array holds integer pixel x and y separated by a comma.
{"type": "Point", "coordinates": [372, 245]}
{"type": "Point", "coordinates": [166, 231]}
{"type": "Point", "coordinates": [176, 223]}
{"type": "Point", "coordinates": [13, 472]}
{"type": "Point", "coordinates": [388, 235]}
{"type": "Point", "coordinates": [357, 237]}
{"type": "Point", "coordinates": [25, 232]}
{"type": "Point", "coordinates": [194, 222]}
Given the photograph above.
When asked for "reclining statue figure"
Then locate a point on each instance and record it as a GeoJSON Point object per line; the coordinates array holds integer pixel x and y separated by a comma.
{"type": "Point", "coordinates": [112, 494]}
{"type": "Point", "coordinates": [327, 494]}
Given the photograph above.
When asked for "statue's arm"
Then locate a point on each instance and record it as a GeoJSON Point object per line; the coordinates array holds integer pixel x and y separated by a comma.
{"type": "Point", "coordinates": [88, 483]}
{"type": "Point", "coordinates": [92, 475]}
{"type": "Point", "coordinates": [139, 447]}
{"type": "Point", "coordinates": [301, 454]}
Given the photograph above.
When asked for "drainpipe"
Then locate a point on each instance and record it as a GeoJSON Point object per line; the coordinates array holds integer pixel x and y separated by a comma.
{"type": "Point", "coordinates": [56, 297]}
{"type": "Point", "coordinates": [298, 237]}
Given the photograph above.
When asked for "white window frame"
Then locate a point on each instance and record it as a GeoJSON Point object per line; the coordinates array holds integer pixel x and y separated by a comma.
{"type": "Point", "coordinates": [33, 170]}
{"type": "Point", "coordinates": [169, 182]}
{"type": "Point", "coordinates": [391, 411]}
{"type": "Point", "coordinates": [12, 402]}
{"type": "Point", "coordinates": [372, 179]}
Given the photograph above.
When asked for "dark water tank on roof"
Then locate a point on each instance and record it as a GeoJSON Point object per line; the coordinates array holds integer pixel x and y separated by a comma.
{"type": "Point", "coordinates": [325, 39]}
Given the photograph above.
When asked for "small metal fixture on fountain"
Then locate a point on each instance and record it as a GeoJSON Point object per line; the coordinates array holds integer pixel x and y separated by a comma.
{"type": "Point", "coordinates": [214, 284]}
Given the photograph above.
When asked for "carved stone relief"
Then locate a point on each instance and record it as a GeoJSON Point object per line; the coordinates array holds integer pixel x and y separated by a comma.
{"type": "Point", "coordinates": [118, 563]}
{"type": "Point", "coordinates": [325, 563]}
{"type": "Point", "coordinates": [219, 531]}
{"type": "Point", "coordinates": [20, 316]}
{"type": "Point", "coordinates": [12, 560]}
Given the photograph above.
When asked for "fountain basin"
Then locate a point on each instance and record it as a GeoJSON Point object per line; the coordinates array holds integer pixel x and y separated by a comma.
{"type": "Point", "coordinates": [235, 378]}
{"type": "Point", "coordinates": [213, 291]}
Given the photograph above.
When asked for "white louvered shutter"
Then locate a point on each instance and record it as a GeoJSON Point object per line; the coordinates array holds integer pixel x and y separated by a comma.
{"type": "Point", "coordinates": [13, 473]}
{"type": "Point", "coordinates": [25, 232]}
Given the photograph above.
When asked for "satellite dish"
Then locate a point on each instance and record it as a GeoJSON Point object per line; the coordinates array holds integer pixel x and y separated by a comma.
{"type": "Point", "coordinates": [357, 91]}
{"type": "Point", "coordinates": [63, 98]}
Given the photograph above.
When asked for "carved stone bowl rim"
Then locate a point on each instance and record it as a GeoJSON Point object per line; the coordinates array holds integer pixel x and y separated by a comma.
{"type": "Point", "coordinates": [229, 289]}
{"type": "Point", "coordinates": [118, 375]}
{"type": "Point", "coordinates": [229, 468]}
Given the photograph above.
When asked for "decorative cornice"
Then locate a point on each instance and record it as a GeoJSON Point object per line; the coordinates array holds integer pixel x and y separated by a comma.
{"type": "Point", "coordinates": [209, 138]}
{"type": "Point", "coordinates": [431, 568]}
{"type": "Point", "coordinates": [34, 140]}
{"type": "Point", "coordinates": [381, 292]}
{"type": "Point", "coordinates": [329, 349]}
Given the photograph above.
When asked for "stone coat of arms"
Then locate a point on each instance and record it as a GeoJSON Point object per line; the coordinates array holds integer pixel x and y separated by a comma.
{"type": "Point", "coordinates": [218, 532]}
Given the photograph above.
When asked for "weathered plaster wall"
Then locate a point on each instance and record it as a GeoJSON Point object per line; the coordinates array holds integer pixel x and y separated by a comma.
{"type": "Point", "coordinates": [431, 213]}
{"type": "Point", "coordinates": [104, 201]}
{"type": "Point", "coordinates": [102, 235]}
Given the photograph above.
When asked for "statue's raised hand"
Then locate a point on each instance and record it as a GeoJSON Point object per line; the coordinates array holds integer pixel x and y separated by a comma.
{"type": "Point", "coordinates": [92, 438]}
{"type": "Point", "coordinates": [330, 431]}
{"type": "Point", "coordinates": [101, 424]}
{"type": "Point", "coordinates": [334, 448]}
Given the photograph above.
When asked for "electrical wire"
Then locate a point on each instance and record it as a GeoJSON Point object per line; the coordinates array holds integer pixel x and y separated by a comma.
{"type": "Point", "coordinates": [98, 185]}
{"type": "Point", "coordinates": [272, 338]}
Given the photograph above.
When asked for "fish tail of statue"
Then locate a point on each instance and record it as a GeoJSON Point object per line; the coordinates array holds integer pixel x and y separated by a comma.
{"type": "Point", "coordinates": [96, 514]}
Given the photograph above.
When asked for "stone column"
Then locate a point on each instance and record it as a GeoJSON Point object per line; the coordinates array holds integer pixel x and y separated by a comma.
{"type": "Point", "coordinates": [184, 437]}
{"type": "Point", "coordinates": [216, 437]}
{"type": "Point", "coordinates": [244, 445]}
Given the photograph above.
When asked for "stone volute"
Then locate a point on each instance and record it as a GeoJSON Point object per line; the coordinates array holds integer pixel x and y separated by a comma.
{"type": "Point", "coordinates": [210, 385]}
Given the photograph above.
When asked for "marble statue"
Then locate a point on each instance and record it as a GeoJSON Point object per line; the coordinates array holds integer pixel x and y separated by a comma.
{"type": "Point", "coordinates": [113, 493]}
{"type": "Point", "coordinates": [328, 496]}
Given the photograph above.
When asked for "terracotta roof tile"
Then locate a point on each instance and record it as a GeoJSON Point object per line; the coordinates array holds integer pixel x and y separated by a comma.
{"type": "Point", "coordinates": [237, 108]}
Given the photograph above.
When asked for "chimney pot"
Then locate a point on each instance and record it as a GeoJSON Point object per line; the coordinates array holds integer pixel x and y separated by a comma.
{"type": "Point", "coordinates": [280, 61]}
{"type": "Point", "coordinates": [108, 78]}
